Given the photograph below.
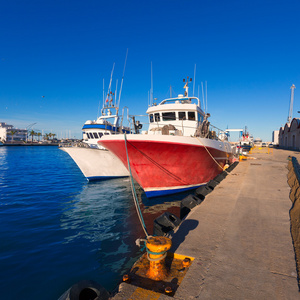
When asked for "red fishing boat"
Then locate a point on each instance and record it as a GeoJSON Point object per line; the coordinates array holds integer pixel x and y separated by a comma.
{"type": "Point", "coordinates": [180, 150]}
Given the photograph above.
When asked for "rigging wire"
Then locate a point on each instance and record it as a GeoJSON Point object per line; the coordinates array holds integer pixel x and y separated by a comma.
{"type": "Point", "coordinates": [137, 206]}
{"type": "Point", "coordinates": [211, 155]}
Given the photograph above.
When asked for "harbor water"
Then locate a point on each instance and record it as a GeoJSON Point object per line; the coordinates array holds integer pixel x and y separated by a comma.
{"type": "Point", "coordinates": [57, 228]}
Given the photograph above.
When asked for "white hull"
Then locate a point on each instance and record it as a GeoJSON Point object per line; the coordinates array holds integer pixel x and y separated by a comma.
{"type": "Point", "coordinates": [96, 164]}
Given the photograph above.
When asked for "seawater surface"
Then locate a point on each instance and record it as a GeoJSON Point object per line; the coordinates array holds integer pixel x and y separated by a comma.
{"type": "Point", "coordinates": [57, 229]}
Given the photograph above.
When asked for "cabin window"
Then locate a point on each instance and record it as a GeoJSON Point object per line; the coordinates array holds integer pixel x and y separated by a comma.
{"type": "Point", "coordinates": [200, 118]}
{"type": "Point", "coordinates": [191, 115]}
{"type": "Point", "coordinates": [181, 115]}
{"type": "Point", "coordinates": [88, 135]}
{"type": "Point", "coordinates": [106, 133]}
{"type": "Point", "coordinates": [157, 117]}
{"type": "Point", "coordinates": [91, 135]}
{"type": "Point", "coordinates": [100, 134]}
{"type": "Point", "coordinates": [151, 118]}
{"type": "Point", "coordinates": [95, 135]}
{"type": "Point", "coordinates": [168, 116]}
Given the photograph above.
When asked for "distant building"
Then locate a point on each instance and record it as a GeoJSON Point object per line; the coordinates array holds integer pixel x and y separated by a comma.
{"type": "Point", "coordinates": [275, 137]}
{"type": "Point", "coordinates": [289, 135]}
{"type": "Point", "coordinates": [9, 134]}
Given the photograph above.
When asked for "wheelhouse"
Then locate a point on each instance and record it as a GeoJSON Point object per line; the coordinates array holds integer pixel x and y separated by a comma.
{"type": "Point", "coordinates": [182, 114]}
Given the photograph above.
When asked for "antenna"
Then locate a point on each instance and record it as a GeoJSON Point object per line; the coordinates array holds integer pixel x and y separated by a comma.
{"type": "Point", "coordinates": [194, 81]}
{"type": "Point", "coordinates": [122, 78]}
{"type": "Point", "coordinates": [186, 86]}
{"type": "Point", "coordinates": [291, 104]}
{"type": "Point", "coordinates": [203, 97]}
{"type": "Point", "coordinates": [206, 94]}
{"type": "Point", "coordinates": [151, 91]}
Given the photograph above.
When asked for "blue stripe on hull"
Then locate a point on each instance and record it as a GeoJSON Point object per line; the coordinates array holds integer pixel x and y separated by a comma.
{"type": "Point", "coordinates": [99, 126]}
{"type": "Point", "coordinates": [152, 194]}
{"type": "Point", "coordinates": [95, 178]}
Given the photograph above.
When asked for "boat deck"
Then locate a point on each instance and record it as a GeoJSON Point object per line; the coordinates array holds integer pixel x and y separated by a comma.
{"type": "Point", "coordinates": [239, 236]}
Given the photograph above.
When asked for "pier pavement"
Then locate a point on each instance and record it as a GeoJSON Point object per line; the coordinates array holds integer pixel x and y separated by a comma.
{"type": "Point", "coordinates": [240, 237]}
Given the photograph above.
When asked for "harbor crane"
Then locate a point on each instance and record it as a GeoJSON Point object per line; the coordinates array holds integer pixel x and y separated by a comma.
{"type": "Point", "coordinates": [289, 119]}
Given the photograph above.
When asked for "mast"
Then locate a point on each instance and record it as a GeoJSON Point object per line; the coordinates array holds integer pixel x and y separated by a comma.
{"type": "Point", "coordinates": [122, 78]}
{"type": "Point", "coordinates": [116, 92]}
{"type": "Point", "coordinates": [194, 81]}
{"type": "Point", "coordinates": [111, 75]}
{"type": "Point", "coordinates": [103, 93]}
{"type": "Point", "coordinates": [100, 101]}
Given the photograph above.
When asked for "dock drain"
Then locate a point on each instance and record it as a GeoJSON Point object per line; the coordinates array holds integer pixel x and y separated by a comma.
{"type": "Point", "coordinates": [177, 266]}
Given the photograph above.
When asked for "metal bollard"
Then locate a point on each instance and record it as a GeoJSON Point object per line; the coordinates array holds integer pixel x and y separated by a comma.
{"type": "Point", "coordinates": [157, 247]}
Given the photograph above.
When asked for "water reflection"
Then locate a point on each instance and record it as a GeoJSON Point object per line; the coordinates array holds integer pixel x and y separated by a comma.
{"type": "Point", "coordinates": [154, 207]}
{"type": "Point", "coordinates": [98, 211]}
{"type": "Point", "coordinates": [103, 217]}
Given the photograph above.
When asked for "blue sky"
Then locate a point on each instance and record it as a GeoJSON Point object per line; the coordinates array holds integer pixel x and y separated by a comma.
{"type": "Point", "coordinates": [247, 51]}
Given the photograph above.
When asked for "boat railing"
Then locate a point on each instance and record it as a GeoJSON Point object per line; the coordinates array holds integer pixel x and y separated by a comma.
{"type": "Point", "coordinates": [220, 133]}
{"type": "Point", "coordinates": [182, 100]}
{"type": "Point", "coordinates": [211, 131]}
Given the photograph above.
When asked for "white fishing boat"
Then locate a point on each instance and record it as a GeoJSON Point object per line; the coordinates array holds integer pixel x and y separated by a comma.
{"type": "Point", "coordinates": [178, 152]}
{"type": "Point", "coordinates": [245, 143]}
{"type": "Point", "coordinates": [94, 160]}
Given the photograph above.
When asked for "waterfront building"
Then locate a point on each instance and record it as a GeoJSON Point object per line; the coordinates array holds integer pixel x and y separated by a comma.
{"type": "Point", "coordinates": [10, 134]}
{"type": "Point", "coordinates": [289, 135]}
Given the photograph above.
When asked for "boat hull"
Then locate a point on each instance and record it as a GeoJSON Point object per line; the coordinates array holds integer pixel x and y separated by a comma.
{"type": "Point", "coordinates": [170, 164]}
{"type": "Point", "coordinates": [97, 164]}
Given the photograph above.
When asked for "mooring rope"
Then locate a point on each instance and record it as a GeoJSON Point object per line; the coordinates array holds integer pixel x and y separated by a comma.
{"type": "Point", "coordinates": [135, 200]}
{"type": "Point", "coordinates": [211, 155]}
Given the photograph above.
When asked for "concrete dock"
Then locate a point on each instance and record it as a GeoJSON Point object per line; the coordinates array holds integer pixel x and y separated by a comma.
{"type": "Point", "coordinates": [239, 236]}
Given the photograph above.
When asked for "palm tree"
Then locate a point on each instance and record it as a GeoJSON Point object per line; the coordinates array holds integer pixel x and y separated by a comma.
{"type": "Point", "coordinates": [46, 136]}
{"type": "Point", "coordinates": [13, 132]}
{"type": "Point", "coordinates": [39, 135]}
{"type": "Point", "coordinates": [32, 133]}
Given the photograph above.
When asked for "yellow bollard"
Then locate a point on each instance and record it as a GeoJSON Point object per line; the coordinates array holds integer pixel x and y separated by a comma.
{"type": "Point", "coordinates": [186, 262]}
{"type": "Point", "coordinates": [157, 247]}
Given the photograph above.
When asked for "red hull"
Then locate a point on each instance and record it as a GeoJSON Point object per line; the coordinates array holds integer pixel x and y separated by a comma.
{"type": "Point", "coordinates": [165, 167]}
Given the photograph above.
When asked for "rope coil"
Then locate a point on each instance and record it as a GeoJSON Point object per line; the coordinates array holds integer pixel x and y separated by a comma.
{"type": "Point", "coordinates": [156, 259]}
